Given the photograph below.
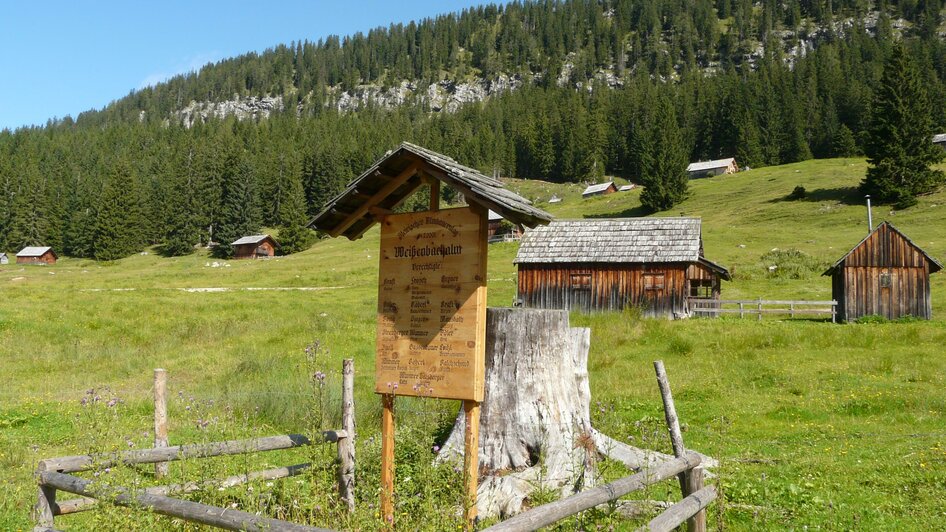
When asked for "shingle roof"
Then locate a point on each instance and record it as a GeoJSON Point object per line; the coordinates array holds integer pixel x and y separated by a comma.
{"type": "Point", "coordinates": [709, 165]}
{"type": "Point", "coordinates": [613, 240]}
{"type": "Point", "coordinates": [33, 251]}
{"type": "Point", "coordinates": [346, 214]}
{"type": "Point", "coordinates": [252, 239]}
{"type": "Point", "coordinates": [939, 138]}
{"type": "Point", "coordinates": [625, 188]}
{"type": "Point", "coordinates": [600, 187]}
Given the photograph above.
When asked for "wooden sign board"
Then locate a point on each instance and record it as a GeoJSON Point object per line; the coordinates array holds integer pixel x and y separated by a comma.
{"type": "Point", "coordinates": [432, 305]}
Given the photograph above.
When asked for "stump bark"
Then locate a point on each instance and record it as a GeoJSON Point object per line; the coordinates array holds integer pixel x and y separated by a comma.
{"type": "Point", "coordinates": [535, 426]}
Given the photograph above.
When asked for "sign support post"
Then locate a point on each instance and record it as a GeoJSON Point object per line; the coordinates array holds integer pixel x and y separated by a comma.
{"type": "Point", "coordinates": [387, 458]}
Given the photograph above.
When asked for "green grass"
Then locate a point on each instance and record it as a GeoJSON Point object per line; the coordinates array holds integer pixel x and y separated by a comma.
{"type": "Point", "coordinates": [817, 425]}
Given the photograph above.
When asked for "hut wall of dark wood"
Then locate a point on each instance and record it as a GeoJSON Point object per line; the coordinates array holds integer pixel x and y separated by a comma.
{"type": "Point", "coordinates": [886, 275]}
{"type": "Point", "coordinates": [253, 251]}
{"type": "Point", "coordinates": [659, 289]}
{"type": "Point", "coordinates": [46, 258]}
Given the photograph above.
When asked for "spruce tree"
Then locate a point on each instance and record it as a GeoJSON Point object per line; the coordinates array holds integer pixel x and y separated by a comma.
{"type": "Point", "coordinates": [118, 216]}
{"type": "Point", "coordinates": [239, 214]}
{"type": "Point", "coordinates": [899, 142]}
{"type": "Point", "coordinates": [662, 157]}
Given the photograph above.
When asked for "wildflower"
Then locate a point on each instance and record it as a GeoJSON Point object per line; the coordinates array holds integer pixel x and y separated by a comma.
{"type": "Point", "coordinates": [319, 376]}
{"type": "Point", "coordinates": [112, 402]}
{"type": "Point", "coordinates": [436, 448]}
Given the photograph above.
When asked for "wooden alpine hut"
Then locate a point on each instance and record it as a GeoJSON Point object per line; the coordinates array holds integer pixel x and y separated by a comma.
{"type": "Point", "coordinates": [254, 247]}
{"type": "Point", "coordinates": [36, 255]}
{"type": "Point", "coordinates": [886, 274]}
{"type": "Point", "coordinates": [601, 189]}
{"type": "Point", "coordinates": [609, 264]}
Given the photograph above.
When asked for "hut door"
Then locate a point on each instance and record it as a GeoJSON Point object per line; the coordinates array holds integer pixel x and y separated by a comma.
{"type": "Point", "coordinates": [580, 292]}
{"type": "Point", "coordinates": [888, 296]}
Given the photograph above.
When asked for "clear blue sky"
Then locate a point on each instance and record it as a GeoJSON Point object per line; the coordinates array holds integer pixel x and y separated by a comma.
{"type": "Point", "coordinates": [60, 58]}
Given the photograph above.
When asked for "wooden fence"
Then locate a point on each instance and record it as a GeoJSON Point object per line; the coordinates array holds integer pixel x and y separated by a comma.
{"type": "Point", "coordinates": [743, 307]}
{"type": "Point", "coordinates": [52, 474]}
{"type": "Point", "coordinates": [685, 466]}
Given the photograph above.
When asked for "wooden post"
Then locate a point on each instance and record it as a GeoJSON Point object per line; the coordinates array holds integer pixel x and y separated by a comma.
{"type": "Point", "coordinates": [741, 308]}
{"type": "Point", "coordinates": [387, 459]}
{"type": "Point", "coordinates": [346, 446]}
{"type": "Point", "coordinates": [760, 309]}
{"type": "Point", "coordinates": [43, 510]}
{"type": "Point", "coordinates": [434, 194]}
{"type": "Point", "coordinates": [471, 441]}
{"type": "Point", "coordinates": [834, 310]}
{"type": "Point", "coordinates": [673, 423]}
{"type": "Point", "coordinates": [160, 418]}
{"type": "Point", "coordinates": [697, 523]}
{"type": "Point", "coordinates": [791, 310]}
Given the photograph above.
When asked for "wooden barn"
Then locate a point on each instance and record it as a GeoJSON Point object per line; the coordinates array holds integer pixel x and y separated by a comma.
{"type": "Point", "coordinates": [940, 140]}
{"type": "Point", "coordinates": [712, 168]}
{"type": "Point", "coordinates": [886, 275]}
{"type": "Point", "coordinates": [4, 259]}
{"type": "Point", "coordinates": [36, 255]}
{"type": "Point", "coordinates": [254, 247]}
{"type": "Point", "coordinates": [609, 264]}
{"type": "Point", "coordinates": [600, 189]}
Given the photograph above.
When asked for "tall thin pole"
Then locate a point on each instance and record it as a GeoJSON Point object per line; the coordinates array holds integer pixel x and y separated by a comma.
{"type": "Point", "coordinates": [870, 217]}
{"type": "Point", "coordinates": [160, 418]}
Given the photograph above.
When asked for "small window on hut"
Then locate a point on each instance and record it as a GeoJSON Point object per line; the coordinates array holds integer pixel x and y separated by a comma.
{"type": "Point", "coordinates": [581, 281]}
{"type": "Point", "coordinates": [701, 288]}
{"type": "Point", "coordinates": [885, 280]}
{"type": "Point", "coordinates": [653, 281]}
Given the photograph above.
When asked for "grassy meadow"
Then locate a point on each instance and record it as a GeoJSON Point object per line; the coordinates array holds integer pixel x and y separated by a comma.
{"type": "Point", "coordinates": [816, 426]}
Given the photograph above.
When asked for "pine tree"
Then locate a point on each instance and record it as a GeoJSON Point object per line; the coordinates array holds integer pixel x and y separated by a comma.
{"type": "Point", "coordinates": [843, 144]}
{"type": "Point", "coordinates": [118, 216]}
{"type": "Point", "coordinates": [294, 235]}
{"type": "Point", "coordinates": [899, 142]}
{"type": "Point", "coordinates": [239, 213]}
{"type": "Point", "coordinates": [662, 158]}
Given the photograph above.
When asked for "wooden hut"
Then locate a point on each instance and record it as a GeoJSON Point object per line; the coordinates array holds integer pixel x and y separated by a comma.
{"type": "Point", "coordinates": [712, 168]}
{"type": "Point", "coordinates": [4, 259]}
{"type": "Point", "coordinates": [940, 140]}
{"type": "Point", "coordinates": [609, 264]}
{"type": "Point", "coordinates": [886, 274]}
{"type": "Point", "coordinates": [497, 233]}
{"type": "Point", "coordinates": [254, 247]}
{"type": "Point", "coordinates": [600, 189]}
{"type": "Point", "coordinates": [36, 255]}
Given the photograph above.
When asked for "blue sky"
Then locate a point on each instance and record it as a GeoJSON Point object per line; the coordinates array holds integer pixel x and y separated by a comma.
{"type": "Point", "coordinates": [61, 58]}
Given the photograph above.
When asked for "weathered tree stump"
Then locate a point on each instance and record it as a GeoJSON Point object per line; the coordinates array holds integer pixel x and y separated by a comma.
{"type": "Point", "coordinates": [535, 427]}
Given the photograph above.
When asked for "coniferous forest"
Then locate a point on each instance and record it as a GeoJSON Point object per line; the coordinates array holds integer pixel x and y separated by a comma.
{"type": "Point", "coordinates": [767, 82]}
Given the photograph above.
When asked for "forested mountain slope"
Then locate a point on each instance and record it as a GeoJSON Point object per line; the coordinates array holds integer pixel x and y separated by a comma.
{"type": "Point", "coordinates": [570, 87]}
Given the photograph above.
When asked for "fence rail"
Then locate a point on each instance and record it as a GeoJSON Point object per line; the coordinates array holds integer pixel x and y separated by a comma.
{"type": "Point", "coordinates": [744, 307]}
{"type": "Point", "coordinates": [52, 474]}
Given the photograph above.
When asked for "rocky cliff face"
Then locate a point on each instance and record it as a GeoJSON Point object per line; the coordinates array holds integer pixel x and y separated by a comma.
{"type": "Point", "coordinates": [243, 108]}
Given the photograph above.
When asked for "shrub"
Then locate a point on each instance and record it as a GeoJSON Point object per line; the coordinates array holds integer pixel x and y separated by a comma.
{"type": "Point", "coordinates": [798, 193]}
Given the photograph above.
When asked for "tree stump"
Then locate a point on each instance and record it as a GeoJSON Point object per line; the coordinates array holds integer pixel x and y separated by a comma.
{"type": "Point", "coordinates": [535, 427]}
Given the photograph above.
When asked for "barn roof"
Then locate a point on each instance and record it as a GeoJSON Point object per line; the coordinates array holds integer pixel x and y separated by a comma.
{"type": "Point", "coordinates": [710, 165]}
{"type": "Point", "coordinates": [625, 188]}
{"type": "Point", "coordinates": [938, 139]}
{"type": "Point", "coordinates": [624, 240]}
{"type": "Point", "coordinates": [394, 177]}
{"type": "Point", "coordinates": [252, 239]}
{"type": "Point", "coordinates": [33, 251]}
{"type": "Point", "coordinates": [935, 265]}
{"type": "Point", "coordinates": [600, 187]}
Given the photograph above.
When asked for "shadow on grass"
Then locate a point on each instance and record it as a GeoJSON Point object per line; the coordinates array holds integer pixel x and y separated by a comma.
{"type": "Point", "coordinates": [633, 212]}
{"type": "Point", "coordinates": [845, 195]}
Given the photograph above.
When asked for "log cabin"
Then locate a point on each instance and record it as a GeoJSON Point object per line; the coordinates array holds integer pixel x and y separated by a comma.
{"type": "Point", "coordinates": [254, 247]}
{"type": "Point", "coordinates": [712, 168]}
{"type": "Point", "coordinates": [601, 189]}
{"type": "Point", "coordinates": [36, 255]}
{"type": "Point", "coordinates": [886, 275]}
{"type": "Point", "coordinates": [609, 264]}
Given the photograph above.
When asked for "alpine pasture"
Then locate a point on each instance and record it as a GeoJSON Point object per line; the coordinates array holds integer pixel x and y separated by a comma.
{"type": "Point", "coordinates": [815, 425]}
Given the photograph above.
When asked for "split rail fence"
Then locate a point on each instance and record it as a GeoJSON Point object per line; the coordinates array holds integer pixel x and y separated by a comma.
{"type": "Point", "coordinates": [685, 466]}
{"type": "Point", "coordinates": [54, 474]}
{"type": "Point", "coordinates": [748, 307]}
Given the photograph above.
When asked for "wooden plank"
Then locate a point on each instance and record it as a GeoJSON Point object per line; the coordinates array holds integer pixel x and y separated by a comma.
{"type": "Point", "coordinates": [387, 459]}
{"type": "Point", "coordinates": [44, 509]}
{"type": "Point", "coordinates": [228, 519]}
{"type": "Point", "coordinates": [69, 464]}
{"type": "Point", "coordinates": [385, 191]}
{"type": "Point", "coordinates": [548, 514]}
{"type": "Point", "coordinates": [346, 446]}
{"type": "Point", "coordinates": [696, 522]}
{"type": "Point", "coordinates": [82, 504]}
{"type": "Point", "coordinates": [160, 418]}
{"type": "Point", "coordinates": [674, 516]}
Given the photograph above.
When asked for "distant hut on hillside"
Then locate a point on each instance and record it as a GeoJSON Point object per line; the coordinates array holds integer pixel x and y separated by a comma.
{"type": "Point", "coordinates": [609, 264]}
{"type": "Point", "coordinates": [497, 233]}
{"type": "Point", "coordinates": [940, 140]}
{"type": "Point", "coordinates": [712, 168]}
{"type": "Point", "coordinates": [36, 255]}
{"type": "Point", "coordinates": [625, 188]}
{"type": "Point", "coordinates": [599, 190]}
{"type": "Point", "coordinates": [555, 199]}
{"type": "Point", "coordinates": [254, 247]}
{"type": "Point", "coordinates": [4, 259]}
{"type": "Point", "coordinates": [886, 274]}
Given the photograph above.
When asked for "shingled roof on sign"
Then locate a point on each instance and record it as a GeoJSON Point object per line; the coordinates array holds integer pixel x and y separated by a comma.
{"type": "Point", "coordinates": [399, 173]}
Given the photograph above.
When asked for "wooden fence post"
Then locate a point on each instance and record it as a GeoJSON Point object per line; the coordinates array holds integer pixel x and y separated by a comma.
{"type": "Point", "coordinates": [43, 510]}
{"type": "Point", "coordinates": [346, 445]}
{"type": "Point", "coordinates": [688, 484]}
{"type": "Point", "coordinates": [741, 309]}
{"type": "Point", "coordinates": [760, 309]}
{"type": "Point", "coordinates": [160, 418]}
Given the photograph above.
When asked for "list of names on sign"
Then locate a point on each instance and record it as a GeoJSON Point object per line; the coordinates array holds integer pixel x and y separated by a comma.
{"type": "Point", "coordinates": [432, 305]}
